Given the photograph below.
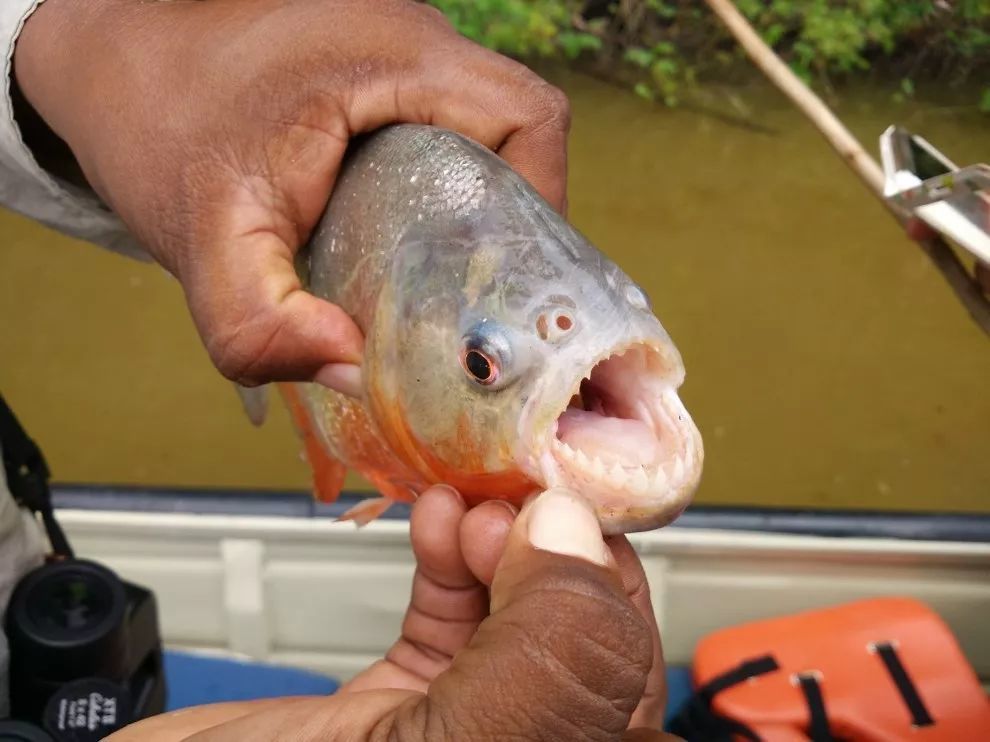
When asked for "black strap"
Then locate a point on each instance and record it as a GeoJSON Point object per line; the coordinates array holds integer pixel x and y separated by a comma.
{"type": "Point", "coordinates": [697, 722]}
{"type": "Point", "coordinates": [27, 476]}
{"type": "Point", "coordinates": [818, 729]}
{"type": "Point", "coordinates": [743, 671]}
{"type": "Point", "coordinates": [919, 713]}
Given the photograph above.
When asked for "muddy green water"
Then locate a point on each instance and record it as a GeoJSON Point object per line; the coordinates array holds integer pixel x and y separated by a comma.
{"type": "Point", "coordinates": [827, 364]}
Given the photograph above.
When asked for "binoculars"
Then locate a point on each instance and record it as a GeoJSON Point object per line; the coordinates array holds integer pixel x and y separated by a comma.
{"type": "Point", "coordinates": [85, 654]}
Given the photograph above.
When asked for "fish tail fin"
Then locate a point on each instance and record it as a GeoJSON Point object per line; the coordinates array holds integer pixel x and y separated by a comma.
{"type": "Point", "coordinates": [367, 510]}
{"type": "Point", "coordinates": [328, 472]}
{"type": "Point", "coordinates": [255, 402]}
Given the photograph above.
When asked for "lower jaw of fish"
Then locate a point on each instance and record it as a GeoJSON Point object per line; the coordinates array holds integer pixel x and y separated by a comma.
{"type": "Point", "coordinates": [626, 443]}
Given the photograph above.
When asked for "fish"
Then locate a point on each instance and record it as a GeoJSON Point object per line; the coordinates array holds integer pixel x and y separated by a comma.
{"type": "Point", "coordinates": [504, 353]}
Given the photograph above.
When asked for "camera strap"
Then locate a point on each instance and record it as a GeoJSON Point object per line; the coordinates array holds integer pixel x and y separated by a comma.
{"type": "Point", "coordinates": [27, 477]}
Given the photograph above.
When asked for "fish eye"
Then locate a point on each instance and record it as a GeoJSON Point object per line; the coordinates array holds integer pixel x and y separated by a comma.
{"type": "Point", "coordinates": [487, 356]}
{"type": "Point", "coordinates": [480, 366]}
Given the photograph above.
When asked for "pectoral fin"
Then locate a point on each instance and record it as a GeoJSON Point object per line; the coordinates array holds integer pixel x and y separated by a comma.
{"type": "Point", "coordinates": [328, 472]}
{"type": "Point", "coordinates": [367, 510]}
{"type": "Point", "coordinates": [255, 402]}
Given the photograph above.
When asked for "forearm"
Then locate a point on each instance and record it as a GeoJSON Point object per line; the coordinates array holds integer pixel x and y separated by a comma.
{"type": "Point", "coordinates": [50, 151]}
{"type": "Point", "coordinates": [56, 68]}
{"type": "Point", "coordinates": [39, 176]}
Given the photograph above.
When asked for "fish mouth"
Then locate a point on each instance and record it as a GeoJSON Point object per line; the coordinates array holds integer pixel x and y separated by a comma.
{"type": "Point", "coordinates": [625, 440]}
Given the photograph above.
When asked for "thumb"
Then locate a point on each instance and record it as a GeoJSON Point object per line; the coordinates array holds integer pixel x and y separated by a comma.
{"type": "Point", "coordinates": [564, 653]}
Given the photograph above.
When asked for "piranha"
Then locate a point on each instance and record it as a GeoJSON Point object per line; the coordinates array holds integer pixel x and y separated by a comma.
{"type": "Point", "coordinates": [504, 354]}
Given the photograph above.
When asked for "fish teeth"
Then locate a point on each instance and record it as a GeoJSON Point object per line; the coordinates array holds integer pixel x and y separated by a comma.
{"type": "Point", "coordinates": [582, 459]}
{"type": "Point", "coordinates": [566, 451]}
{"type": "Point", "coordinates": [617, 474]}
{"type": "Point", "coordinates": [640, 483]}
{"type": "Point", "coordinates": [678, 468]}
{"type": "Point", "coordinates": [597, 467]}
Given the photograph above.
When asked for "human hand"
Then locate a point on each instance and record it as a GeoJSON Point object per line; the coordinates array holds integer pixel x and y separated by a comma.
{"type": "Point", "coordinates": [457, 552]}
{"type": "Point", "coordinates": [215, 131]}
{"type": "Point", "coordinates": [570, 649]}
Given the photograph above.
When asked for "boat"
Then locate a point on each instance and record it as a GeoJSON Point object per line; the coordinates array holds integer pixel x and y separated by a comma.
{"type": "Point", "coordinates": [921, 183]}
{"type": "Point", "coordinates": [273, 577]}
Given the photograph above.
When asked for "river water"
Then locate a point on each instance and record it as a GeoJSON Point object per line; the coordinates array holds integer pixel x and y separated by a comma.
{"type": "Point", "coordinates": [827, 363]}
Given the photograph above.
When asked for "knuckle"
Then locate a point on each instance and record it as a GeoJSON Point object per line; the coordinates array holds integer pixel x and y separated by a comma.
{"type": "Point", "coordinates": [567, 658]}
{"type": "Point", "coordinates": [603, 623]}
{"type": "Point", "coordinates": [435, 15]}
{"type": "Point", "coordinates": [228, 353]}
{"type": "Point", "coordinates": [553, 106]}
{"type": "Point", "coordinates": [431, 16]}
{"type": "Point", "coordinates": [592, 633]}
{"type": "Point", "coordinates": [238, 349]}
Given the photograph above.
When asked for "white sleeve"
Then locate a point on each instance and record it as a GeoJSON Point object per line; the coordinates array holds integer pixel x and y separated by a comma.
{"type": "Point", "coordinates": [22, 548]}
{"type": "Point", "coordinates": [29, 190]}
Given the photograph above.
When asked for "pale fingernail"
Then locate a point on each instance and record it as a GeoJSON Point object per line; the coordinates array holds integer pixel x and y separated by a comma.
{"type": "Point", "coordinates": [561, 522]}
{"type": "Point", "coordinates": [341, 377]}
{"type": "Point", "coordinates": [505, 505]}
{"type": "Point", "coordinates": [447, 488]}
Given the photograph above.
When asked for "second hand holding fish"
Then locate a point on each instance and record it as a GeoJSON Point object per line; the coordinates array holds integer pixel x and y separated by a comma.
{"type": "Point", "coordinates": [565, 645]}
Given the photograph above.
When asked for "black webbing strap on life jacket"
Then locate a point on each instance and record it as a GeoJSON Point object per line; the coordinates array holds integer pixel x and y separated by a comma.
{"type": "Point", "coordinates": [697, 722]}
{"type": "Point", "coordinates": [909, 693]}
{"type": "Point", "coordinates": [27, 477]}
{"type": "Point", "coordinates": [818, 729]}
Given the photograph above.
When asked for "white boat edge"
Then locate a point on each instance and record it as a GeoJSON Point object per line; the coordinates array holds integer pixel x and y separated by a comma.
{"type": "Point", "coordinates": [318, 594]}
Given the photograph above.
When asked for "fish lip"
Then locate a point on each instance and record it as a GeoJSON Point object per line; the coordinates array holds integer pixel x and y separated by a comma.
{"type": "Point", "coordinates": [622, 508]}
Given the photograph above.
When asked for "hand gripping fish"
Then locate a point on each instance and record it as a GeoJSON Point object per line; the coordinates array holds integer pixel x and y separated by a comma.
{"type": "Point", "coordinates": [504, 354]}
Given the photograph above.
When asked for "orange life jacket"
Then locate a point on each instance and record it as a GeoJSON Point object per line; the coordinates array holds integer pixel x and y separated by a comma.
{"type": "Point", "coordinates": [880, 670]}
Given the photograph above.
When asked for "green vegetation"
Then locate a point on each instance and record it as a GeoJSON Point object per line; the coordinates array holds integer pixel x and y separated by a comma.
{"type": "Point", "coordinates": [661, 48]}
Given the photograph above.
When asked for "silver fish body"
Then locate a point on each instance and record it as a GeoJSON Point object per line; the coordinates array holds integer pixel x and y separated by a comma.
{"type": "Point", "coordinates": [504, 353]}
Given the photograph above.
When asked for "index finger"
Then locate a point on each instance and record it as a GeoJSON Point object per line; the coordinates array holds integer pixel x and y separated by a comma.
{"type": "Point", "coordinates": [524, 119]}
{"type": "Point", "coordinates": [496, 101]}
{"type": "Point", "coordinates": [256, 319]}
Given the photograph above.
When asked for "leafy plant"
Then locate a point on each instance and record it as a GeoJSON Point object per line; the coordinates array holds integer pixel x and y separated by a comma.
{"type": "Point", "coordinates": [660, 47]}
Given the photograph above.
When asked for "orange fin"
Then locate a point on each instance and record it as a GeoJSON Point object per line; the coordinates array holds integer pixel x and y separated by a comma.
{"type": "Point", "coordinates": [367, 510]}
{"type": "Point", "coordinates": [395, 490]}
{"type": "Point", "coordinates": [328, 473]}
